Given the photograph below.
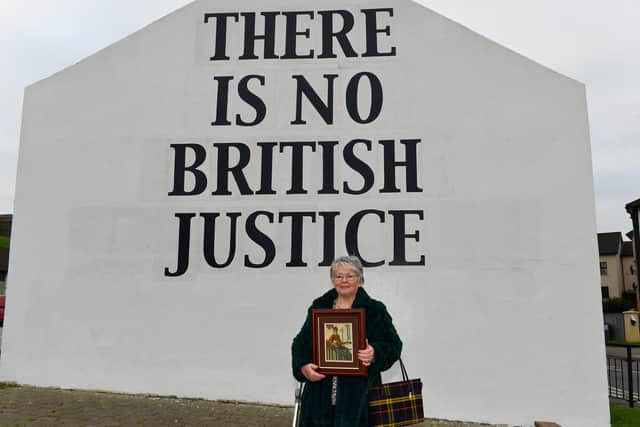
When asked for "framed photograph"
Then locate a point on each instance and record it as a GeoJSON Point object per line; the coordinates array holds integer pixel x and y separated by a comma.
{"type": "Point", "coordinates": [337, 337]}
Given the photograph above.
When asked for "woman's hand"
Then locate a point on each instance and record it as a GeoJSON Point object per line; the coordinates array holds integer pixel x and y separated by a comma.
{"type": "Point", "coordinates": [309, 372]}
{"type": "Point", "coordinates": [368, 355]}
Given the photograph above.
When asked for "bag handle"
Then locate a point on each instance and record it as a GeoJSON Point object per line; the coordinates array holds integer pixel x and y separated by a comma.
{"type": "Point", "coordinates": [405, 376]}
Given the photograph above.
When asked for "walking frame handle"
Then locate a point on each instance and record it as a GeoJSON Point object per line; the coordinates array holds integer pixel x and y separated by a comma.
{"type": "Point", "coordinates": [297, 406]}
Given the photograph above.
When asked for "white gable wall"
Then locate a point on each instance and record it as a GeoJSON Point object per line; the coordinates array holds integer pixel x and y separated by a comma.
{"type": "Point", "coordinates": [502, 325]}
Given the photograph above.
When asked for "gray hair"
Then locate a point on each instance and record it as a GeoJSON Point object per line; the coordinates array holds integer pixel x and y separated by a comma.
{"type": "Point", "coordinates": [351, 262]}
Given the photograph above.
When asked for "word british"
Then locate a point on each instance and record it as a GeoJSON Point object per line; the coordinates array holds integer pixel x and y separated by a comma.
{"type": "Point", "coordinates": [325, 153]}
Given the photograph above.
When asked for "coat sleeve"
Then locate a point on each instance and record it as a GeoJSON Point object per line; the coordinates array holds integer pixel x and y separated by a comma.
{"type": "Point", "coordinates": [301, 349]}
{"type": "Point", "coordinates": [383, 338]}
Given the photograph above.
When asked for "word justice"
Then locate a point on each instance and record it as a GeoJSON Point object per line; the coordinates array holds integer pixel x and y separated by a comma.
{"type": "Point", "coordinates": [264, 157]}
{"type": "Point", "coordinates": [353, 235]}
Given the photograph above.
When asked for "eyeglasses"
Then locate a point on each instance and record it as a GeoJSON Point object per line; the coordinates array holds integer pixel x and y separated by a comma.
{"type": "Point", "coordinates": [340, 277]}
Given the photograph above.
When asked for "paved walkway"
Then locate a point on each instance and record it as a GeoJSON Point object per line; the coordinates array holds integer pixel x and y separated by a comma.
{"type": "Point", "coordinates": [30, 406]}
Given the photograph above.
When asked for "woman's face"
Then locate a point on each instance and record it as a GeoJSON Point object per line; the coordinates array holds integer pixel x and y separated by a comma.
{"type": "Point", "coordinates": [346, 281]}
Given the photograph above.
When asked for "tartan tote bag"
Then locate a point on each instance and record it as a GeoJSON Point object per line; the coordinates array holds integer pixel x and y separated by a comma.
{"type": "Point", "coordinates": [396, 404]}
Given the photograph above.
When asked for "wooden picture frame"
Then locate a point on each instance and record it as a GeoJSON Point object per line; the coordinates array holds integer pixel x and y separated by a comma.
{"type": "Point", "coordinates": [337, 336]}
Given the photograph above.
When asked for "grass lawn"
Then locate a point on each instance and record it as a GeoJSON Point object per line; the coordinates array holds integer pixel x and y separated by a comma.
{"type": "Point", "coordinates": [4, 242]}
{"type": "Point", "coordinates": [622, 416]}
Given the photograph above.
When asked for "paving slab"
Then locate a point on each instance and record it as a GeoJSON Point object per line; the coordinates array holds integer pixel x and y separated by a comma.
{"type": "Point", "coordinates": [33, 406]}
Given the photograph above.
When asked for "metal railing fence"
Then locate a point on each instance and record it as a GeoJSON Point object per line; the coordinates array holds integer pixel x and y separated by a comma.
{"type": "Point", "coordinates": [623, 374]}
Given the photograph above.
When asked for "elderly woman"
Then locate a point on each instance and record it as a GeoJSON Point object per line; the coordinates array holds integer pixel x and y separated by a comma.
{"type": "Point", "coordinates": [342, 401]}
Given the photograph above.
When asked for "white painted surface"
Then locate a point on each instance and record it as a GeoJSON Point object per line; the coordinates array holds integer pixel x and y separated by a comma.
{"type": "Point", "coordinates": [509, 229]}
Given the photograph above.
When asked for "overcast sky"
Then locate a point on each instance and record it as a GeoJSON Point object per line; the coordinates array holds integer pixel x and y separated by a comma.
{"type": "Point", "coordinates": [594, 41]}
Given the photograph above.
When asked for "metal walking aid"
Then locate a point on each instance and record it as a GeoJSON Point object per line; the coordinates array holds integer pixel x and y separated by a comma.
{"type": "Point", "coordinates": [296, 407]}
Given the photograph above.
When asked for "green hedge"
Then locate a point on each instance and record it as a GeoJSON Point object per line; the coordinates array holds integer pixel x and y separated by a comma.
{"type": "Point", "coordinates": [623, 342]}
{"type": "Point", "coordinates": [4, 242]}
{"type": "Point", "coordinates": [617, 305]}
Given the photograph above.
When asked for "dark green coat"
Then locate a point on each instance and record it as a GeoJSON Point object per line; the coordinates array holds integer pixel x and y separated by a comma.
{"type": "Point", "coordinates": [351, 398]}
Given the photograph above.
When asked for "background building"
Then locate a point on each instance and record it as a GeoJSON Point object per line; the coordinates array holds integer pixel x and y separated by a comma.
{"type": "Point", "coordinates": [629, 273]}
{"type": "Point", "coordinates": [617, 265]}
